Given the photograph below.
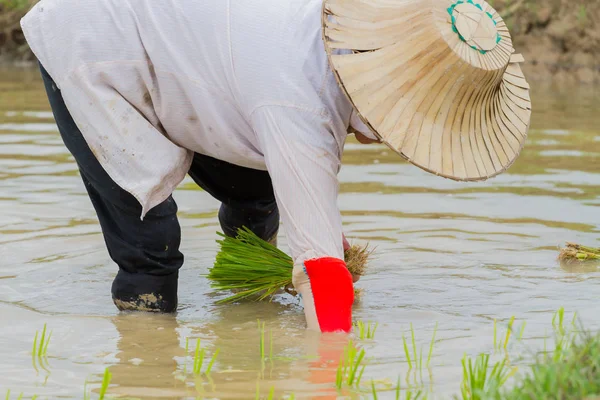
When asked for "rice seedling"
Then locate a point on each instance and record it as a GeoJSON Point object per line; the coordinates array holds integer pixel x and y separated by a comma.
{"type": "Point", "coordinates": [105, 382]}
{"type": "Point", "coordinates": [508, 331]}
{"type": "Point", "coordinates": [503, 345]}
{"type": "Point", "coordinates": [563, 338]}
{"type": "Point", "coordinates": [431, 345]}
{"type": "Point", "coordinates": [495, 334]}
{"type": "Point", "coordinates": [198, 358]}
{"type": "Point", "coordinates": [406, 352]}
{"type": "Point", "coordinates": [263, 348]}
{"type": "Point", "coordinates": [578, 253]}
{"type": "Point", "coordinates": [270, 344]}
{"type": "Point", "coordinates": [522, 331]}
{"type": "Point", "coordinates": [199, 355]}
{"type": "Point", "coordinates": [41, 350]}
{"type": "Point", "coordinates": [558, 320]}
{"type": "Point", "coordinates": [414, 345]}
{"type": "Point", "coordinates": [18, 398]}
{"type": "Point", "coordinates": [366, 331]}
{"type": "Point", "coordinates": [479, 381]}
{"type": "Point", "coordinates": [398, 388]}
{"type": "Point", "coordinates": [262, 331]}
{"type": "Point", "coordinates": [418, 361]}
{"type": "Point", "coordinates": [350, 369]}
{"type": "Point", "coordinates": [34, 397]}
{"type": "Point", "coordinates": [255, 269]}
{"type": "Point", "coordinates": [212, 362]}
{"type": "Point", "coordinates": [86, 394]}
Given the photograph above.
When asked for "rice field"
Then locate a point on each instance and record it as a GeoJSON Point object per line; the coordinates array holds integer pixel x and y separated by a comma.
{"type": "Point", "coordinates": [569, 369]}
{"type": "Point", "coordinates": [464, 296]}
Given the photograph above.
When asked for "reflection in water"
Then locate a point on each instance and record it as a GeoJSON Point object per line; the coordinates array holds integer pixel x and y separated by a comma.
{"type": "Point", "coordinates": [146, 350]}
{"type": "Point", "coordinates": [152, 362]}
{"type": "Point", "coordinates": [459, 254]}
{"type": "Point", "coordinates": [579, 268]}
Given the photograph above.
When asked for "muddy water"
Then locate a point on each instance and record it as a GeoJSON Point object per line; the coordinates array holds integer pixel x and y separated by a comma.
{"type": "Point", "coordinates": [460, 255]}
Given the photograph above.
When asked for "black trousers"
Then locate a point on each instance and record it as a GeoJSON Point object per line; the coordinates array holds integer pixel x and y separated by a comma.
{"type": "Point", "coordinates": [147, 252]}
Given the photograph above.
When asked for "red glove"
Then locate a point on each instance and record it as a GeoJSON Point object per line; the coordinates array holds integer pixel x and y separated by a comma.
{"type": "Point", "coordinates": [327, 294]}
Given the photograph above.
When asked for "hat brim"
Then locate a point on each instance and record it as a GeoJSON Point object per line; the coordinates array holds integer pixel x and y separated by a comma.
{"type": "Point", "coordinates": [455, 114]}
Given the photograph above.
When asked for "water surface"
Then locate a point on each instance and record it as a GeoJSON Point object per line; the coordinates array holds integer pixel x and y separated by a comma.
{"type": "Point", "coordinates": [456, 254]}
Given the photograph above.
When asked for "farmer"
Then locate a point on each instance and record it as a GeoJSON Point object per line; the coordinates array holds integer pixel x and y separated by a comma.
{"type": "Point", "coordinates": [253, 102]}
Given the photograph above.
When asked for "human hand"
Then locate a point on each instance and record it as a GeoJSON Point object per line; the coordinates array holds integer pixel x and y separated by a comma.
{"type": "Point", "coordinates": [325, 285]}
{"type": "Point", "coordinates": [346, 243]}
{"type": "Point", "coordinates": [355, 278]}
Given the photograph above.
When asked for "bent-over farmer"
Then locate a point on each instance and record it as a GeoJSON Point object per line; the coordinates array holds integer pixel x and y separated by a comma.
{"type": "Point", "coordinates": [254, 100]}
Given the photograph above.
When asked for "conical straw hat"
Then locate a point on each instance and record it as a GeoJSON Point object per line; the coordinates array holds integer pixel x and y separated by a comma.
{"type": "Point", "coordinates": [436, 80]}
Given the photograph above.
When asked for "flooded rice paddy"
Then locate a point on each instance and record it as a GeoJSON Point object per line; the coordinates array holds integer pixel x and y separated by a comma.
{"type": "Point", "coordinates": [456, 254]}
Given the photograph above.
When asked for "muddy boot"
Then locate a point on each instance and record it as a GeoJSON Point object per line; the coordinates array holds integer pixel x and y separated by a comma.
{"type": "Point", "coordinates": [142, 292]}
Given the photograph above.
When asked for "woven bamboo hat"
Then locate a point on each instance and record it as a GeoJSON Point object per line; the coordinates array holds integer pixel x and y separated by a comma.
{"type": "Point", "coordinates": [436, 80]}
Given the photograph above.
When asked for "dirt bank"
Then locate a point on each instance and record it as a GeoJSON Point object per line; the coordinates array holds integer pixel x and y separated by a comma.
{"type": "Point", "coordinates": [559, 38]}
{"type": "Point", "coordinates": [13, 47]}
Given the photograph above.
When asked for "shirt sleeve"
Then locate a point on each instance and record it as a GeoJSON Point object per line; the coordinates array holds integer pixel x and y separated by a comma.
{"type": "Point", "coordinates": [303, 159]}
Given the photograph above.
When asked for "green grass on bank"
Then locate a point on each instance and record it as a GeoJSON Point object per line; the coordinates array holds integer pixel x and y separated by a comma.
{"type": "Point", "coordinates": [10, 5]}
{"type": "Point", "coordinates": [573, 373]}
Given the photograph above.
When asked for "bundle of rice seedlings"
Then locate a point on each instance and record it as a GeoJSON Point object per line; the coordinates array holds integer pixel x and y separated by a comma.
{"type": "Point", "coordinates": [575, 252]}
{"type": "Point", "coordinates": [255, 269]}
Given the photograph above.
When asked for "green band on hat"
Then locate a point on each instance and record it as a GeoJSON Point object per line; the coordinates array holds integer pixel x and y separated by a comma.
{"type": "Point", "coordinates": [455, 29]}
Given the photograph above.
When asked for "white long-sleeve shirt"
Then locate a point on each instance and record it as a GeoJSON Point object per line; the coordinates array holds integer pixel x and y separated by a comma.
{"type": "Point", "coordinates": [149, 82]}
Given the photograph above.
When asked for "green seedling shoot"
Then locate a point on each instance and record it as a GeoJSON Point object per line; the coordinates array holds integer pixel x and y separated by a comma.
{"type": "Point", "coordinates": [558, 321]}
{"type": "Point", "coordinates": [366, 331]}
{"type": "Point", "coordinates": [39, 350]}
{"type": "Point", "coordinates": [350, 369]}
{"type": "Point", "coordinates": [262, 345]}
{"type": "Point", "coordinates": [18, 398]}
{"type": "Point", "coordinates": [503, 345]}
{"type": "Point", "coordinates": [418, 360]}
{"type": "Point", "coordinates": [478, 380]}
{"type": "Point", "coordinates": [431, 345]}
{"type": "Point", "coordinates": [508, 331]}
{"type": "Point", "coordinates": [522, 330]}
{"type": "Point", "coordinates": [406, 352]}
{"type": "Point", "coordinates": [261, 330]}
{"type": "Point", "coordinates": [199, 356]}
{"type": "Point", "coordinates": [105, 382]}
